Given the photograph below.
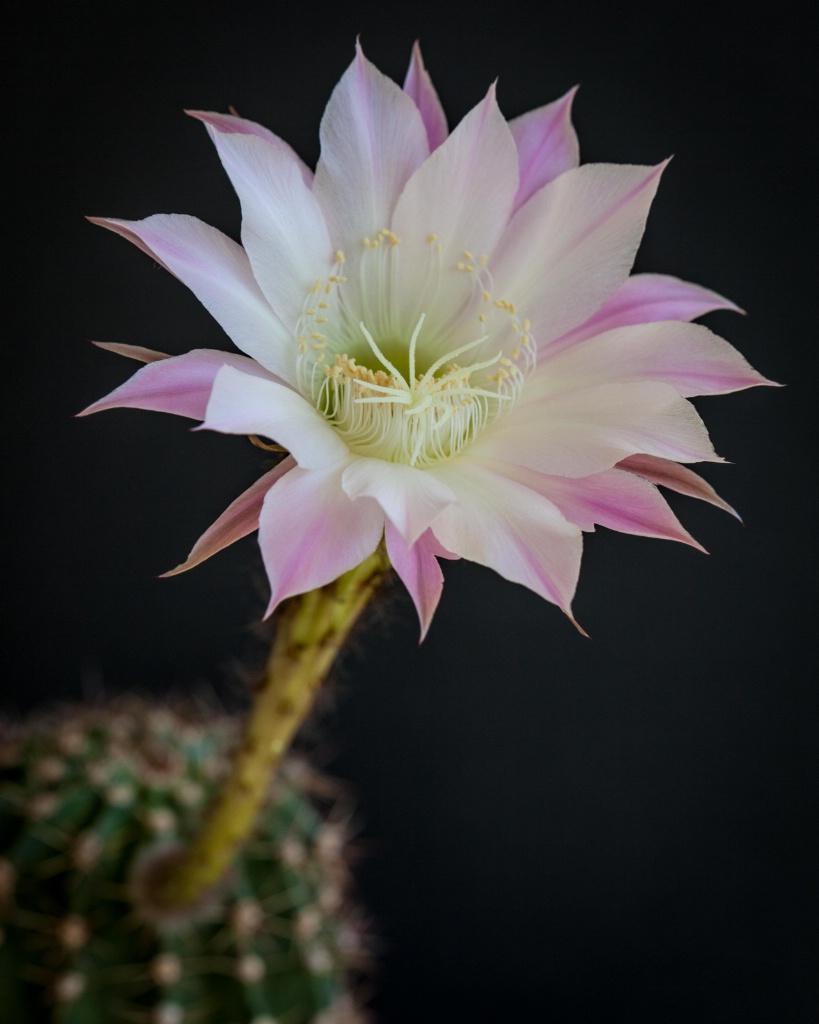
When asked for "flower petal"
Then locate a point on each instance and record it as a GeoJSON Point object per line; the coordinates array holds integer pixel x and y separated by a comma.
{"type": "Point", "coordinates": [455, 206]}
{"type": "Point", "coordinates": [239, 519]}
{"type": "Point", "coordinates": [463, 193]}
{"type": "Point", "coordinates": [646, 298]}
{"type": "Point", "coordinates": [137, 352]}
{"type": "Point", "coordinates": [547, 145]}
{"type": "Point", "coordinates": [283, 230]}
{"type": "Point", "coordinates": [177, 384]}
{"type": "Point", "coordinates": [229, 125]}
{"type": "Point", "coordinates": [418, 569]}
{"type": "Point", "coordinates": [372, 139]}
{"type": "Point", "coordinates": [573, 243]}
{"type": "Point", "coordinates": [411, 497]}
{"type": "Point", "coordinates": [614, 499]}
{"type": "Point", "coordinates": [419, 86]}
{"type": "Point", "coordinates": [310, 532]}
{"type": "Point", "coordinates": [218, 273]}
{"type": "Point", "coordinates": [687, 356]}
{"type": "Point", "coordinates": [507, 527]}
{"type": "Point", "coordinates": [240, 404]}
{"type": "Point", "coordinates": [676, 478]}
{"type": "Point", "coordinates": [578, 433]}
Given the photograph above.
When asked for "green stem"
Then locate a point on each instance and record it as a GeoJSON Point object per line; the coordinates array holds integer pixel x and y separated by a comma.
{"type": "Point", "coordinates": [311, 630]}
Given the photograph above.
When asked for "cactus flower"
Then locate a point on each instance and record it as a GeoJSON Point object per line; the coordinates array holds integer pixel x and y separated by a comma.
{"type": "Point", "coordinates": [442, 332]}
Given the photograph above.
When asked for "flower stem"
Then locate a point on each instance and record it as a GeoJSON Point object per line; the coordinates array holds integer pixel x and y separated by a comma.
{"type": "Point", "coordinates": [310, 632]}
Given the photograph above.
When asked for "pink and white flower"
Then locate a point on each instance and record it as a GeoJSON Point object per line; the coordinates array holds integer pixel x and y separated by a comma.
{"type": "Point", "coordinates": [442, 332]}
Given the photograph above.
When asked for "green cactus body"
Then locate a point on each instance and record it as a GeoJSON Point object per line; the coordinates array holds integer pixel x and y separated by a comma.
{"type": "Point", "coordinates": [91, 801]}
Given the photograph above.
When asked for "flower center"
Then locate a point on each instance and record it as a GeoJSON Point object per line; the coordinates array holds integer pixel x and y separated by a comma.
{"type": "Point", "coordinates": [403, 399]}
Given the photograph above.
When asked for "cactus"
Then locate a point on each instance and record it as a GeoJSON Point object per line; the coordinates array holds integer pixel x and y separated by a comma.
{"type": "Point", "coordinates": [93, 803]}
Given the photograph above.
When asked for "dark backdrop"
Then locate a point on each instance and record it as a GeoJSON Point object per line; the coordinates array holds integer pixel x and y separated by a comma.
{"type": "Point", "coordinates": [557, 829]}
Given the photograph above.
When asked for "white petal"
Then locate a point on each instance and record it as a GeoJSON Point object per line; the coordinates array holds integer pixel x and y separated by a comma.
{"type": "Point", "coordinates": [582, 432]}
{"type": "Point", "coordinates": [457, 203]}
{"type": "Point", "coordinates": [687, 356]}
{"type": "Point", "coordinates": [507, 527]}
{"type": "Point", "coordinates": [372, 139]}
{"type": "Point", "coordinates": [646, 298]}
{"type": "Point", "coordinates": [614, 499]}
{"type": "Point", "coordinates": [240, 404]}
{"type": "Point", "coordinates": [229, 124]}
{"type": "Point", "coordinates": [177, 384]}
{"type": "Point", "coordinates": [411, 497]}
{"type": "Point", "coordinates": [310, 532]}
{"type": "Point", "coordinates": [283, 229]}
{"type": "Point", "coordinates": [573, 243]}
{"type": "Point", "coordinates": [218, 273]}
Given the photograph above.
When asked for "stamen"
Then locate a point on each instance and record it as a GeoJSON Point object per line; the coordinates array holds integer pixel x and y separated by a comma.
{"type": "Point", "coordinates": [430, 412]}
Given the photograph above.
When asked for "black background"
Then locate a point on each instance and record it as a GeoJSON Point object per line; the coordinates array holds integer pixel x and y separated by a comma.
{"type": "Point", "coordinates": [556, 829]}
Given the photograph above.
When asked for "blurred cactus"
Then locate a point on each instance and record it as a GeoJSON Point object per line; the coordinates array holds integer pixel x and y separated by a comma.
{"type": "Point", "coordinates": [92, 803]}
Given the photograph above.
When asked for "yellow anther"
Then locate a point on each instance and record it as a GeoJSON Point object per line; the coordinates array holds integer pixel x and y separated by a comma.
{"type": "Point", "coordinates": [317, 345]}
{"type": "Point", "coordinates": [503, 361]}
{"type": "Point", "coordinates": [482, 317]}
{"type": "Point", "coordinates": [516, 327]}
{"type": "Point", "coordinates": [309, 312]}
{"type": "Point", "coordinates": [439, 248]}
{"type": "Point", "coordinates": [527, 324]}
{"type": "Point", "coordinates": [468, 255]}
{"type": "Point", "coordinates": [317, 336]}
{"type": "Point", "coordinates": [484, 260]}
{"type": "Point", "coordinates": [340, 256]}
{"type": "Point", "coordinates": [317, 285]}
{"type": "Point", "coordinates": [321, 319]}
{"type": "Point", "coordinates": [367, 243]}
{"type": "Point", "coordinates": [432, 238]}
{"type": "Point", "coordinates": [322, 304]}
{"type": "Point", "coordinates": [525, 340]}
{"type": "Point", "coordinates": [485, 295]}
{"type": "Point", "coordinates": [515, 353]}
